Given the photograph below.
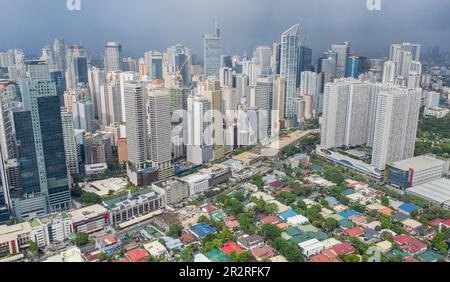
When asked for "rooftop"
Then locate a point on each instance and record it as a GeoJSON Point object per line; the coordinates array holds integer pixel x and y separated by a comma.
{"type": "Point", "coordinates": [86, 211]}
{"type": "Point", "coordinates": [437, 191]}
{"type": "Point", "coordinates": [419, 163]}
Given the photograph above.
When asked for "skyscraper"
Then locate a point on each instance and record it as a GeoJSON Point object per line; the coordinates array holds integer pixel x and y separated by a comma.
{"type": "Point", "coordinates": [159, 131]}
{"type": "Point", "coordinates": [83, 115]}
{"type": "Point", "coordinates": [113, 57]}
{"type": "Point", "coordinates": [264, 99]}
{"type": "Point", "coordinates": [153, 62]}
{"type": "Point", "coordinates": [77, 67]}
{"type": "Point", "coordinates": [346, 113]}
{"type": "Point", "coordinates": [59, 54]}
{"type": "Point", "coordinates": [342, 50]}
{"type": "Point", "coordinates": [137, 143]}
{"type": "Point", "coordinates": [289, 68]}
{"type": "Point", "coordinates": [395, 125]}
{"type": "Point", "coordinates": [199, 137]}
{"type": "Point", "coordinates": [212, 51]}
{"type": "Point", "coordinates": [41, 154]}
{"type": "Point", "coordinates": [70, 146]}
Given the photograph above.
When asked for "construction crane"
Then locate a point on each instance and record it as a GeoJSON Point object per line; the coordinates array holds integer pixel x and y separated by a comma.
{"type": "Point", "coordinates": [178, 72]}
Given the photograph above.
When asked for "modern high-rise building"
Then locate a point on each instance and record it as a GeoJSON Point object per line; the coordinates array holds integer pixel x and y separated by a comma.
{"type": "Point", "coordinates": [199, 137]}
{"type": "Point", "coordinates": [408, 69]}
{"type": "Point", "coordinates": [213, 94]}
{"type": "Point", "coordinates": [9, 99]}
{"type": "Point", "coordinates": [310, 85]}
{"type": "Point", "coordinates": [389, 72]}
{"type": "Point", "coordinates": [289, 68]}
{"type": "Point", "coordinates": [97, 78]}
{"type": "Point", "coordinates": [110, 103]}
{"type": "Point", "coordinates": [137, 142]}
{"type": "Point", "coordinates": [263, 56]}
{"type": "Point", "coordinates": [58, 78]}
{"type": "Point", "coordinates": [70, 146]}
{"type": "Point", "coordinates": [275, 59]}
{"type": "Point", "coordinates": [83, 115]}
{"type": "Point", "coordinates": [304, 61]}
{"type": "Point", "coordinates": [264, 99]}
{"type": "Point", "coordinates": [159, 131]}
{"type": "Point", "coordinates": [153, 62]}
{"type": "Point", "coordinates": [40, 142]}
{"type": "Point", "coordinates": [277, 117]}
{"type": "Point", "coordinates": [77, 66]}
{"type": "Point", "coordinates": [212, 44]}
{"type": "Point", "coordinates": [347, 110]}
{"type": "Point", "coordinates": [59, 55]}
{"type": "Point", "coordinates": [396, 125]}
{"type": "Point", "coordinates": [113, 57]}
{"type": "Point", "coordinates": [343, 51]}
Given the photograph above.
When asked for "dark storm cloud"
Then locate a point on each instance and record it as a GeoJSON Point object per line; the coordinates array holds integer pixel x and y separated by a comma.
{"type": "Point", "coordinates": [143, 25]}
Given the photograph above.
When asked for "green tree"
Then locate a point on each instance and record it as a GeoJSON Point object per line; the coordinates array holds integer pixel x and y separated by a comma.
{"type": "Point", "coordinates": [242, 257]}
{"type": "Point", "coordinates": [90, 198]}
{"type": "Point", "coordinates": [34, 249]}
{"type": "Point", "coordinates": [103, 256]}
{"type": "Point", "coordinates": [175, 230]}
{"type": "Point", "coordinates": [81, 239]}
{"type": "Point", "coordinates": [351, 258]}
{"type": "Point", "coordinates": [187, 255]}
{"type": "Point", "coordinates": [331, 224]}
{"type": "Point", "coordinates": [270, 231]}
{"type": "Point", "coordinates": [385, 201]}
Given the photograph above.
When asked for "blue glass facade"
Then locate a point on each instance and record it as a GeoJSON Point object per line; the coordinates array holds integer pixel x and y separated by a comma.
{"type": "Point", "coordinates": [26, 153]}
{"type": "Point", "coordinates": [399, 178]}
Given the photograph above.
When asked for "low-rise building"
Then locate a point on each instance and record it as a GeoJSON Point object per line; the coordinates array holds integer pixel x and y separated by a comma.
{"type": "Point", "coordinates": [107, 244]}
{"type": "Point", "coordinates": [250, 242]}
{"type": "Point", "coordinates": [139, 203]}
{"type": "Point", "coordinates": [197, 183]}
{"type": "Point", "coordinates": [249, 159]}
{"type": "Point", "coordinates": [311, 247]}
{"type": "Point", "coordinates": [219, 173]}
{"type": "Point", "coordinates": [14, 238]}
{"type": "Point", "coordinates": [436, 112]}
{"type": "Point", "coordinates": [89, 219]}
{"type": "Point", "coordinates": [156, 249]}
{"type": "Point", "coordinates": [51, 229]}
{"type": "Point", "coordinates": [165, 220]}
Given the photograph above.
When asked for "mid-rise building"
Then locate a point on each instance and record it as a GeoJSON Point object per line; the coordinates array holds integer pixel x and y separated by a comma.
{"type": "Point", "coordinates": [175, 190]}
{"type": "Point", "coordinates": [416, 171]}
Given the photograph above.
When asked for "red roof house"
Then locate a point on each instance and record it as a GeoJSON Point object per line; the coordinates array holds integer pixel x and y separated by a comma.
{"type": "Point", "coordinates": [410, 244]}
{"type": "Point", "coordinates": [343, 249]}
{"type": "Point", "coordinates": [354, 232]}
{"type": "Point", "coordinates": [270, 219]}
{"type": "Point", "coordinates": [136, 255]}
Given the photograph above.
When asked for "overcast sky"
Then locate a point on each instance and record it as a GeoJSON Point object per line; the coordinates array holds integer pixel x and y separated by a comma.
{"type": "Point", "coordinates": [142, 25]}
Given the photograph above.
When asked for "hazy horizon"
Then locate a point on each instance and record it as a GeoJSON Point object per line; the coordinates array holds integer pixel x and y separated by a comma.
{"type": "Point", "coordinates": [142, 25]}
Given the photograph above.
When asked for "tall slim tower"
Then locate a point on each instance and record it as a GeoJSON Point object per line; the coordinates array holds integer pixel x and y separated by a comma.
{"type": "Point", "coordinates": [59, 53]}
{"type": "Point", "coordinates": [395, 125]}
{"type": "Point", "coordinates": [70, 145]}
{"type": "Point", "coordinates": [137, 143]}
{"type": "Point", "coordinates": [289, 68]}
{"type": "Point", "coordinates": [342, 50]}
{"type": "Point", "coordinates": [212, 44]}
{"type": "Point", "coordinates": [159, 130]}
{"type": "Point", "coordinates": [113, 56]}
{"type": "Point", "coordinates": [199, 137]}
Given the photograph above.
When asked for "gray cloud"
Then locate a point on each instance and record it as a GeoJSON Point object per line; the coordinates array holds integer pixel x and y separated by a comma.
{"type": "Point", "coordinates": [143, 25]}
